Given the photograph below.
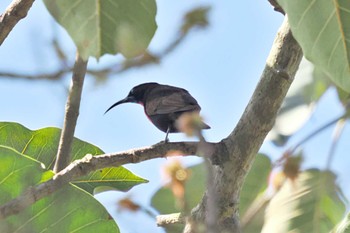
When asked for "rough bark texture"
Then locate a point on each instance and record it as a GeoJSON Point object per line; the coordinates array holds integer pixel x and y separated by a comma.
{"type": "Point", "coordinates": [241, 146]}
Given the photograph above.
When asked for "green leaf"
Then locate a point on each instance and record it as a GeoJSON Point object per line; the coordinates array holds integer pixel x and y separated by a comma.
{"type": "Point", "coordinates": [311, 203]}
{"type": "Point", "coordinates": [109, 179]}
{"type": "Point", "coordinates": [322, 29]}
{"type": "Point", "coordinates": [109, 26]}
{"type": "Point", "coordinates": [42, 146]}
{"type": "Point", "coordinates": [69, 209]}
{"type": "Point", "coordinates": [18, 169]}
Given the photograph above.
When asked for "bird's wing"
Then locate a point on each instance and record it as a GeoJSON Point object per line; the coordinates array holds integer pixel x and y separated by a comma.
{"type": "Point", "coordinates": [171, 101]}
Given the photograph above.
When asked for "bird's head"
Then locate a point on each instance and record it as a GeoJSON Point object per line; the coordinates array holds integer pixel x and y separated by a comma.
{"type": "Point", "coordinates": [136, 94]}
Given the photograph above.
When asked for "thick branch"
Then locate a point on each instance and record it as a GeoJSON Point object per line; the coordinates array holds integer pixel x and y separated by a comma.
{"type": "Point", "coordinates": [244, 142]}
{"type": "Point", "coordinates": [16, 11]}
{"type": "Point", "coordinates": [72, 113]}
{"type": "Point", "coordinates": [90, 163]}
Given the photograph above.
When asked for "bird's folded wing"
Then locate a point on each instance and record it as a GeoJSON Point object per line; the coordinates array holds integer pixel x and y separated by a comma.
{"type": "Point", "coordinates": [174, 102]}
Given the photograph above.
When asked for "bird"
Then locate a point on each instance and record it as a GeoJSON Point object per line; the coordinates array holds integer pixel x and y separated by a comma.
{"type": "Point", "coordinates": [163, 105]}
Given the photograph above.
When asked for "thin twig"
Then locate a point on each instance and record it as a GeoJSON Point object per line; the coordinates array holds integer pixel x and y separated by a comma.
{"type": "Point", "coordinates": [337, 133]}
{"type": "Point", "coordinates": [315, 132]}
{"type": "Point", "coordinates": [292, 150]}
{"type": "Point", "coordinates": [57, 75]}
{"type": "Point", "coordinates": [16, 11]}
{"type": "Point", "coordinates": [71, 115]}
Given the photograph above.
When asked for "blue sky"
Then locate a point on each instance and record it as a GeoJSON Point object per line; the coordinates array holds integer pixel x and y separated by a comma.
{"type": "Point", "coordinates": [219, 66]}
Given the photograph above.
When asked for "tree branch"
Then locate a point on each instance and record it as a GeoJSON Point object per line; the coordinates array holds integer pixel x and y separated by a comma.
{"type": "Point", "coordinates": [72, 113]}
{"type": "Point", "coordinates": [89, 163]}
{"type": "Point", "coordinates": [166, 219]}
{"type": "Point", "coordinates": [16, 11]}
{"type": "Point", "coordinates": [245, 140]}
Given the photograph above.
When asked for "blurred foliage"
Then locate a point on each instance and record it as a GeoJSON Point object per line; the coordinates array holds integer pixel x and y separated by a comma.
{"type": "Point", "coordinates": [256, 182]}
{"type": "Point", "coordinates": [312, 202]}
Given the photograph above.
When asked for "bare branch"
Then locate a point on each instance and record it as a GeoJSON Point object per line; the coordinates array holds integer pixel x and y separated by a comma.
{"type": "Point", "coordinates": [16, 11]}
{"type": "Point", "coordinates": [72, 113]}
{"type": "Point", "coordinates": [45, 76]}
{"type": "Point", "coordinates": [91, 163]}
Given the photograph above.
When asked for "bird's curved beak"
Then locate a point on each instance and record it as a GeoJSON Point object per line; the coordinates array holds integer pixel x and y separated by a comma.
{"type": "Point", "coordinates": [128, 99]}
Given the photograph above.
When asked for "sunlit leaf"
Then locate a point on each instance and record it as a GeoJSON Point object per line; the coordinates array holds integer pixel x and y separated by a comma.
{"type": "Point", "coordinates": [109, 26]}
{"type": "Point", "coordinates": [42, 145]}
{"type": "Point", "coordinates": [322, 29]}
{"type": "Point", "coordinates": [68, 210]}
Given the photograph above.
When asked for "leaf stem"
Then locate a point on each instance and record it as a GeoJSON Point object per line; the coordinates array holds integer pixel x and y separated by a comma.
{"type": "Point", "coordinates": [314, 133]}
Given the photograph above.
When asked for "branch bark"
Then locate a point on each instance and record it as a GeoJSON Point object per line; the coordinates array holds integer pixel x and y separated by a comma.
{"type": "Point", "coordinates": [245, 140]}
{"type": "Point", "coordinates": [91, 163]}
{"type": "Point", "coordinates": [16, 11]}
{"type": "Point", "coordinates": [71, 116]}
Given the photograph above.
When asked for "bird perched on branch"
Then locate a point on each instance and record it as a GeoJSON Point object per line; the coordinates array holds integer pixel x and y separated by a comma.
{"type": "Point", "coordinates": [163, 105]}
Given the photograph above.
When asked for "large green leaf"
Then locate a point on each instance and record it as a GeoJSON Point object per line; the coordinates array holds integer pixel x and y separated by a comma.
{"type": "Point", "coordinates": [109, 26]}
{"type": "Point", "coordinates": [311, 203]}
{"type": "Point", "coordinates": [68, 210]}
{"type": "Point", "coordinates": [42, 145]}
{"type": "Point", "coordinates": [322, 28]}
